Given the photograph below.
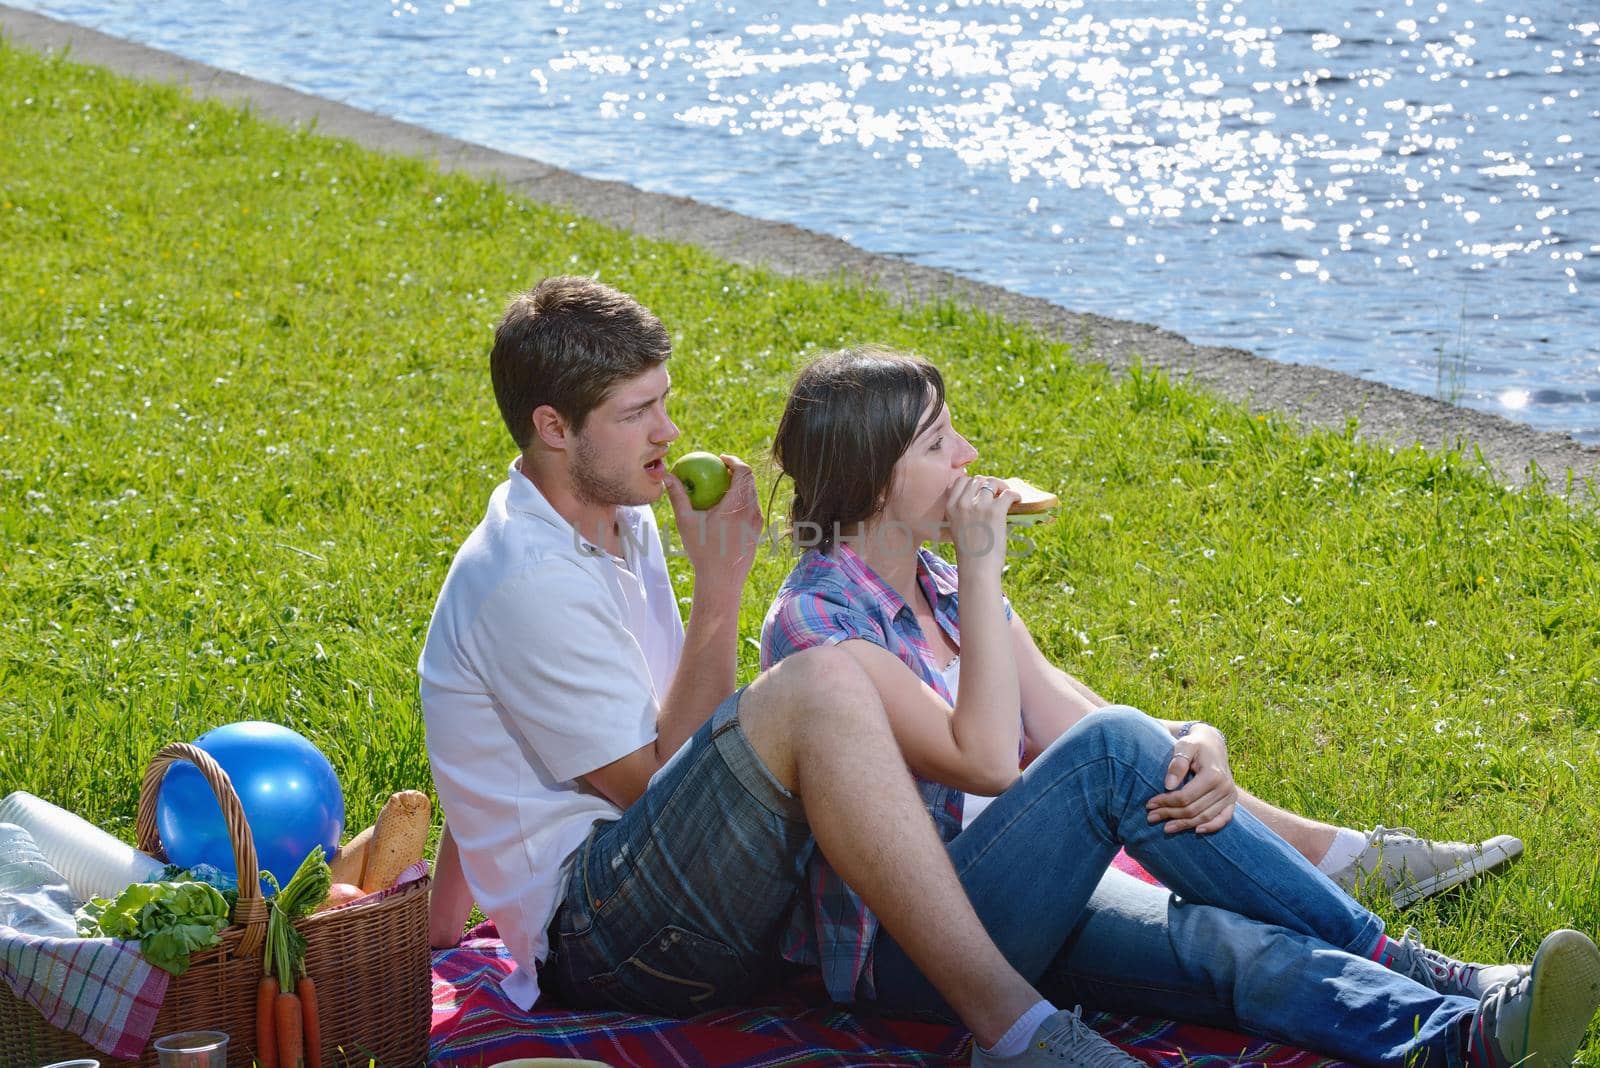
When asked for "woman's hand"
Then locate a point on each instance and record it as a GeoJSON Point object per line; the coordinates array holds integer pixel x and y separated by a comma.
{"type": "Point", "coordinates": [1205, 802]}
{"type": "Point", "coordinates": [976, 511]}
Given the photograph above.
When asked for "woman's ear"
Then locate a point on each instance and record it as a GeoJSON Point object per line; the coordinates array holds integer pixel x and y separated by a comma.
{"type": "Point", "coordinates": [884, 494]}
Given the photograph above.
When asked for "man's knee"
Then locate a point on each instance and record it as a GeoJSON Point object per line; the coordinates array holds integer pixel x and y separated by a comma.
{"type": "Point", "coordinates": [823, 681]}
{"type": "Point", "coordinates": [818, 689]}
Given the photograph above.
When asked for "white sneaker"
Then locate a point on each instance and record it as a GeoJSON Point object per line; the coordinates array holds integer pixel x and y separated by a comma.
{"type": "Point", "coordinates": [1446, 975]}
{"type": "Point", "coordinates": [1410, 868]}
{"type": "Point", "coordinates": [1539, 1020]}
{"type": "Point", "coordinates": [1062, 1041]}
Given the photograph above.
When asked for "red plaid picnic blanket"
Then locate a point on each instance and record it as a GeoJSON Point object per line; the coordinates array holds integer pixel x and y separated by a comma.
{"type": "Point", "coordinates": [475, 1025]}
{"type": "Point", "coordinates": [100, 989]}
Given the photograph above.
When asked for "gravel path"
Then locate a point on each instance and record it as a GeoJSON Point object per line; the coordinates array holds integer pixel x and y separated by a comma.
{"type": "Point", "coordinates": [1314, 396]}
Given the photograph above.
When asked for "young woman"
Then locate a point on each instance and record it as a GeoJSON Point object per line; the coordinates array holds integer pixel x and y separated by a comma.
{"type": "Point", "coordinates": [1250, 934]}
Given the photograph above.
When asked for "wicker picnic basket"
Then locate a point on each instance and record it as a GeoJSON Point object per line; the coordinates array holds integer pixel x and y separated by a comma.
{"type": "Point", "coordinates": [370, 962]}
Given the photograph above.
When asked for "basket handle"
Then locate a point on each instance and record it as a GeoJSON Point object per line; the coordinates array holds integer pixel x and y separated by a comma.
{"type": "Point", "coordinates": [251, 910]}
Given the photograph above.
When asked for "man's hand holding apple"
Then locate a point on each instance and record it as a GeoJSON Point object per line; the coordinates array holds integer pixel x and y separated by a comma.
{"type": "Point", "coordinates": [720, 541]}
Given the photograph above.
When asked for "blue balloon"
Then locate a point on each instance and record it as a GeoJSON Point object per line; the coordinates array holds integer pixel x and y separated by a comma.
{"type": "Point", "coordinates": [290, 794]}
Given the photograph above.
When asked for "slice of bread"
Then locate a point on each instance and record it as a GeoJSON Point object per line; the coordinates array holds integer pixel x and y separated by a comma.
{"type": "Point", "coordinates": [1034, 500]}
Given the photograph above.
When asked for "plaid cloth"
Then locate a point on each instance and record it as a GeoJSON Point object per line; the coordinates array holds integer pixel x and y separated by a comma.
{"type": "Point", "coordinates": [828, 598]}
{"type": "Point", "coordinates": [475, 1025]}
{"type": "Point", "coordinates": [101, 989]}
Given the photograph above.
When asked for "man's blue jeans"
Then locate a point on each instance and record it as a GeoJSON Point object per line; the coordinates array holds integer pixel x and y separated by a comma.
{"type": "Point", "coordinates": [677, 907]}
{"type": "Point", "coordinates": [1251, 936]}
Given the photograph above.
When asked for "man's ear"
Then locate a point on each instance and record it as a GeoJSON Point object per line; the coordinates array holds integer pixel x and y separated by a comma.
{"type": "Point", "coordinates": [550, 428]}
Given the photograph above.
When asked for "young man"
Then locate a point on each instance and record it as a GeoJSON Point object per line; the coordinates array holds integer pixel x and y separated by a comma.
{"type": "Point", "coordinates": [639, 829]}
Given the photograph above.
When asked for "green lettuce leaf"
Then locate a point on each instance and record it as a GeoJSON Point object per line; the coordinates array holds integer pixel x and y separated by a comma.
{"type": "Point", "coordinates": [170, 920]}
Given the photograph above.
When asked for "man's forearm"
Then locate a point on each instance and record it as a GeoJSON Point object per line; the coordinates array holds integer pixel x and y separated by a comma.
{"type": "Point", "coordinates": [450, 899]}
{"type": "Point", "coordinates": [706, 671]}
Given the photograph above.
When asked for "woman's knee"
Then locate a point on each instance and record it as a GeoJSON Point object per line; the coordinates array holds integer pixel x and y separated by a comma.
{"type": "Point", "coordinates": [1121, 730]}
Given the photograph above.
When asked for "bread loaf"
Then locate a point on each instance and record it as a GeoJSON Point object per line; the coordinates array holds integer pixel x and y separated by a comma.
{"type": "Point", "coordinates": [398, 839]}
{"type": "Point", "coordinates": [349, 864]}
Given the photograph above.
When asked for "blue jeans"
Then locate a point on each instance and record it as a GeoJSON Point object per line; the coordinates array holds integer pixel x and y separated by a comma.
{"type": "Point", "coordinates": [677, 907]}
{"type": "Point", "coordinates": [1251, 936]}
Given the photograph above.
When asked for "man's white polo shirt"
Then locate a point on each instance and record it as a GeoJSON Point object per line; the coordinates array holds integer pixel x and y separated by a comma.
{"type": "Point", "coordinates": [546, 659]}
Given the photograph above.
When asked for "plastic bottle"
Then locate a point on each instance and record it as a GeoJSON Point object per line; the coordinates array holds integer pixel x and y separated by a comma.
{"type": "Point", "coordinates": [34, 897]}
{"type": "Point", "coordinates": [94, 863]}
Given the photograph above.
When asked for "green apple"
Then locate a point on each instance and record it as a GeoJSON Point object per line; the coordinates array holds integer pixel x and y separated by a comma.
{"type": "Point", "coordinates": [704, 476]}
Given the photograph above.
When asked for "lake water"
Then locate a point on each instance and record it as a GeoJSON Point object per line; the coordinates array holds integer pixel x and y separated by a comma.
{"type": "Point", "coordinates": [1408, 192]}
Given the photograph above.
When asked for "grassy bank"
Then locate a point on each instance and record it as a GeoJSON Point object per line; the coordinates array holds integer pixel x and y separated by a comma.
{"type": "Point", "coordinates": [247, 420]}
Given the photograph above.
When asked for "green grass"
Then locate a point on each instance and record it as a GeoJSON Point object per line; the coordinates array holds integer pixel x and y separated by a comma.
{"type": "Point", "coordinates": [247, 420]}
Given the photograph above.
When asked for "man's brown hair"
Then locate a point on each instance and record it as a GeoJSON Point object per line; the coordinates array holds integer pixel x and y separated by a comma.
{"type": "Point", "coordinates": [850, 416]}
{"type": "Point", "coordinates": [566, 342]}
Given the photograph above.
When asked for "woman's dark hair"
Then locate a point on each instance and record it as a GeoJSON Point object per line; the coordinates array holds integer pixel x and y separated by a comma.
{"type": "Point", "coordinates": [850, 416]}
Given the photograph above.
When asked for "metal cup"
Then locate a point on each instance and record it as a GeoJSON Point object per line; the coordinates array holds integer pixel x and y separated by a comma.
{"type": "Point", "coordinates": [193, 1049]}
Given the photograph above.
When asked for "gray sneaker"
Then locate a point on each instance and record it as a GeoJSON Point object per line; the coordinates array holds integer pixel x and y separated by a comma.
{"type": "Point", "coordinates": [1446, 975]}
{"type": "Point", "coordinates": [1538, 1021]}
{"type": "Point", "coordinates": [1063, 1039]}
{"type": "Point", "coordinates": [1410, 868]}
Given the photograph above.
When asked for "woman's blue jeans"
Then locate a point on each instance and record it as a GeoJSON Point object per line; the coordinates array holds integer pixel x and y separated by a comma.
{"type": "Point", "coordinates": [1250, 936]}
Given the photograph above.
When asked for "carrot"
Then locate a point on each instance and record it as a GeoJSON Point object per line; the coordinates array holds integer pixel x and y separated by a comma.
{"type": "Point", "coordinates": [312, 1023]}
{"type": "Point", "coordinates": [266, 1033]}
{"type": "Point", "coordinates": [291, 1040]}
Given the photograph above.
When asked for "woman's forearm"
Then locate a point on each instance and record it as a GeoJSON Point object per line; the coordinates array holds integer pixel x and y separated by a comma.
{"type": "Point", "coordinates": [986, 720]}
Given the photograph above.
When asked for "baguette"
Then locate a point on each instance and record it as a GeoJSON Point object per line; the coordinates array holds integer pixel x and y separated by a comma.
{"type": "Point", "coordinates": [398, 839]}
{"type": "Point", "coordinates": [349, 864]}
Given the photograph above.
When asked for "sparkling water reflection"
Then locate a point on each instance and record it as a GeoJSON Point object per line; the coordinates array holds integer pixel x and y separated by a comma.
{"type": "Point", "coordinates": [1404, 191]}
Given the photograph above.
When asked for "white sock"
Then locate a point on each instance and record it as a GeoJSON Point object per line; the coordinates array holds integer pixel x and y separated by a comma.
{"type": "Point", "coordinates": [1015, 1040]}
{"type": "Point", "coordinates": [1347, 845]}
